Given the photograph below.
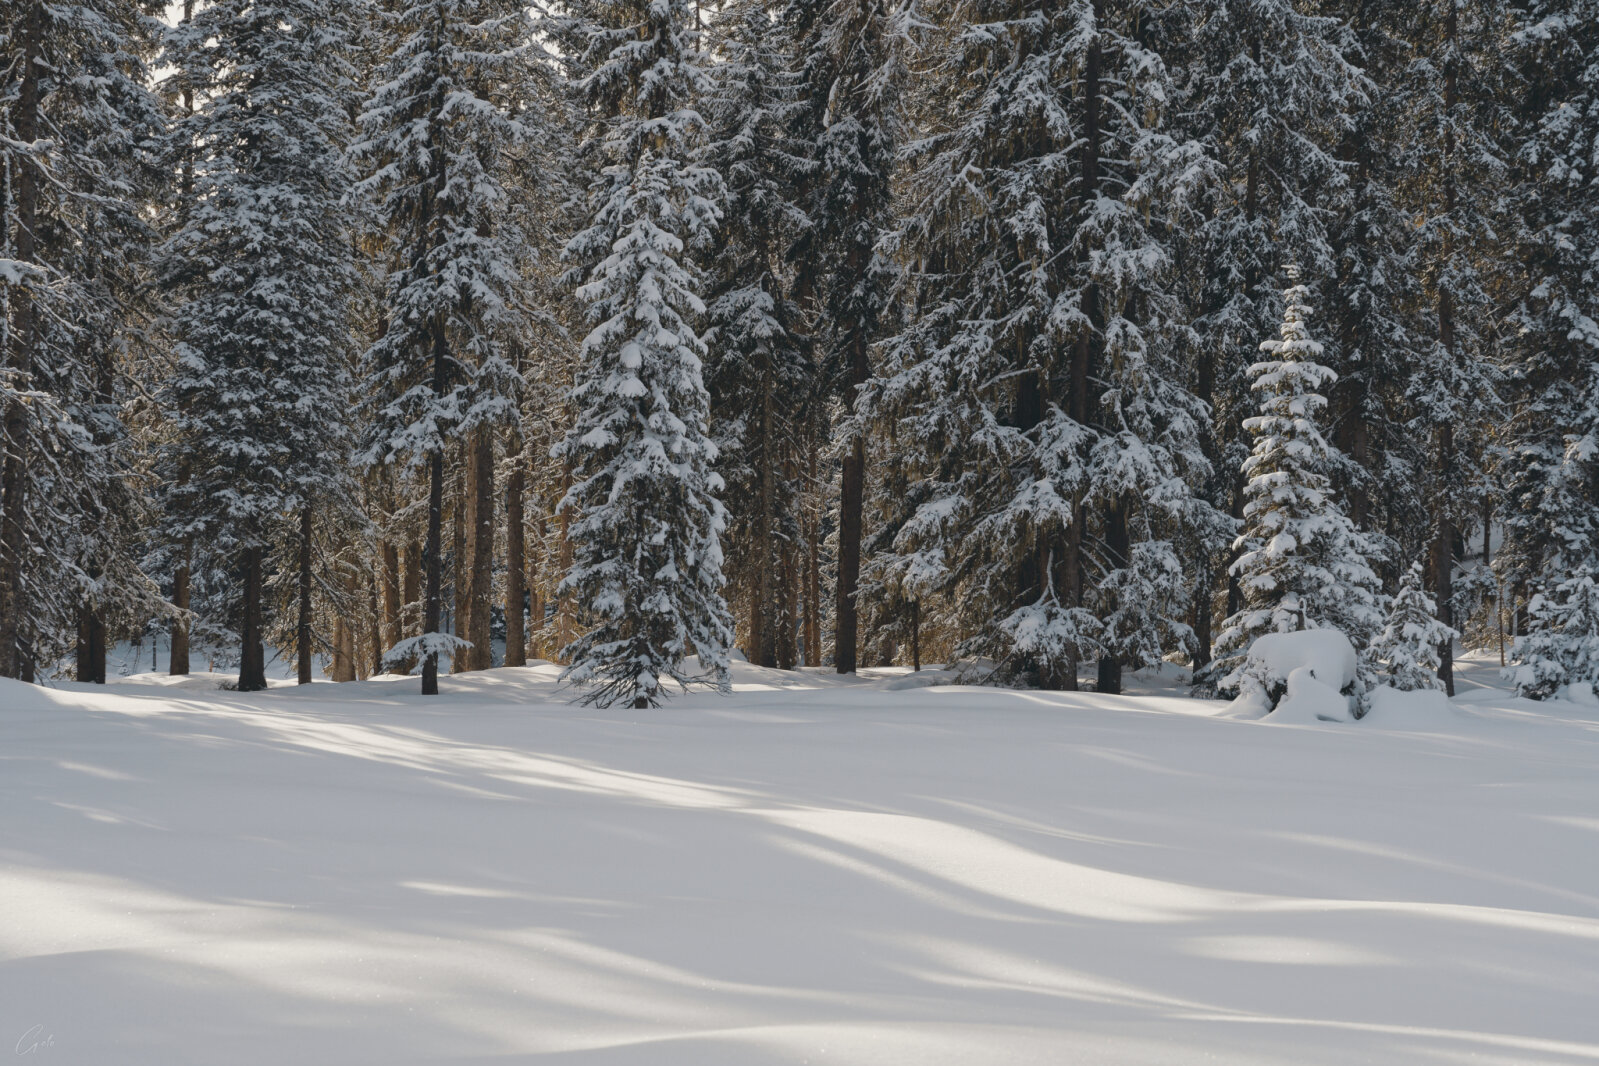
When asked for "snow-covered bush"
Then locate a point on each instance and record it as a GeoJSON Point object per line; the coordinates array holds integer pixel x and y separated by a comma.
{"type": "Point", "coordinates": [1561, 652]}
{"type": "Point", "coordinates": [1325, 656]}
{"type": "Point", "coordinates": [1409, 642]}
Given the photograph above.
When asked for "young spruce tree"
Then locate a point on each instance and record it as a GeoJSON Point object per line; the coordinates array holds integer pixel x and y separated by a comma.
{"type": "Point", "coordinates": [1302, 562]}
{"type": "Point", "coordinates": [647, 556]}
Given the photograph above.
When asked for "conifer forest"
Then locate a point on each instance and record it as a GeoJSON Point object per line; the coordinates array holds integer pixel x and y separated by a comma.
{"type": "Point", "coordinates": [1051, 340]}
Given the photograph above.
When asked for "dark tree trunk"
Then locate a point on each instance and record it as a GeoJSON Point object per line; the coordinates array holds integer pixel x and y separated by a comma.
{"type": "Point", "coordinates": [91, 646]}
{"type": "Point", "coordinates": [302, 627]}
{"type": "Point", "coordinates": [460, 583]}
{"type": "Point", "coordinates": [1116, 548]}
{"type": "Point", "coordinates": [433, 595]}
{"type": "Point", "coordinates": [480, 550]}
{"type": "Point", "coordinates": [515, 568]}
{"type": "Point", "coordinates": [916, 636]}
{"type": "Point", "coordinates": [392, 633]}
{"type": "Point", "coordinates": [812, 593]}
{"type": "Point", "coordinates": [15, 658]}
{"type": "Point", "coordinates": [1202, 618]}
{"type": "Point", "coordinates": [252, 653]}
{"type": "Point", "coordinates": [179, 664]}
{"type": "Point", "coordinates": [1444, 562]}
{"type": "Point", "coordinates": [852, 491]}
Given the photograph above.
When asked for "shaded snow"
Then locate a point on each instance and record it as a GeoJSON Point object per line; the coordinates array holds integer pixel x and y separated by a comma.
{"type": "Point", "coordinates": [814, 870]}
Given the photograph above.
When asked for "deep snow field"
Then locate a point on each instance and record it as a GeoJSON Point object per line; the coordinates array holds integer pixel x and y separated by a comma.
{"type": "Point", "coordinates": [815, 870]}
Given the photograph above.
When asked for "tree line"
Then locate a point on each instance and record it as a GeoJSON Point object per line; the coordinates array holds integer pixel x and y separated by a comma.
{"type": "Point", "coordinates": [628, 333]}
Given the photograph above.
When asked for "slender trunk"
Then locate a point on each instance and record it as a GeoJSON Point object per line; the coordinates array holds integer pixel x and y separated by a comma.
{"type": "Point", "coordinates": [812, 594]}
{"type": "Point", "coordinates": [916, 636]}
{"type": "Point", "coordinates": [460, 583]}
{"type": "Point", "coordinates": [565, 624]}
{"type": "Point", "coordinates": [435, 529]}
{"type": "Point", "coordinates": [14, 657]}
{"type": "Point", "coordinates": [390, 580]}
{"type": "Point", "coordinates": [851, 499]}
{"type": "Point", "coordinates": [252, 654]}
{"type": "Point", "coordinates": [302, 629]}
{"type": "Point", "coordinates": [535, 591]}
{"type": "Point", "coordinates": [515, 572]}
{"type": "Point", "coordinates": [480, 590]}
{"type": "Point", "coordinates": [179, 664]}
{"type": "Point", "coordinates": [851, 493]}
{"type": "Point", "coordinates": [1487, 531]}
{"type": "Point", "coordinates": [1203, 616]}
{"type": "Point", "coordinates": [372, 661]}
{"type": "Point", "coordinates": [763, 642]}
{"type": "Point", "coordinates": [1116, 548]}
{"type": "Point", "coordinates": [1444, 563]}
{"type": "Point", "coordinates": [787, 601]}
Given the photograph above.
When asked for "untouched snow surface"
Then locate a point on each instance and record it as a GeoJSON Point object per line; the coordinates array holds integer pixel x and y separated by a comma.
{"type": "Point", "coordinates": [811, 871]}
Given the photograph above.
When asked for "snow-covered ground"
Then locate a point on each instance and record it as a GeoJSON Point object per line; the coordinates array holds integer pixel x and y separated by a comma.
{"type": "Point", "coordinates": [814, 870]}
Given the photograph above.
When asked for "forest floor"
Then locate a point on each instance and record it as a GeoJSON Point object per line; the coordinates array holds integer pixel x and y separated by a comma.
{"type": "Point", "coordinates": [814, 870]}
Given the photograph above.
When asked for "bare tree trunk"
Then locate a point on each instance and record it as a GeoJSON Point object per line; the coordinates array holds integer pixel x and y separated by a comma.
{"type": "Point", "coordinates": [565, 623]}
{"type": "Point", "coordinates": [91, 645]}
{"type": "Point", "coordinates": [535, 593]}
{"type": "Point", "coordinates": [435, 527]}
{"type": "Point", "coordinates": [460, 584]}
{"type": "Point", "coordinates": [851, 500]}
{"type": "Point", "coordinates": [372, 661]}
{"type": "Point", "coordinates": [813, 572]}
{"type": "Point", "coordinates": [480, 549]}
{"type": "Point", "coordinates": [179, 658]}
{"type": "Point", "coordinates": [392, 633]}
{"type": "Point", "coordinates": [302, 629]}
{"type": "Point", "coordinates": [916, 636]}
{"type": "Point", "coordinates": [252, 655]}
{"type": "Point", "coordinates": [1116, 547]}
{"type": "Point", "coordinates": [14, 658]}
{"type": "Point", "coordinates": [515, 567]}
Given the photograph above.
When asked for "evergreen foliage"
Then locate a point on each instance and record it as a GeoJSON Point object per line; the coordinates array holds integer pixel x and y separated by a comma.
{"type": "Point", "coordinates": [1302, 562]}
{"type": "Point", "coordinates": [1408, 645]}
{"type": "Point", "coordinates": [647, 553]}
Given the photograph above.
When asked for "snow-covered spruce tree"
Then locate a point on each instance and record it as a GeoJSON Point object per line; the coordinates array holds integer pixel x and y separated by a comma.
{"type": "Point", "coordinates": [1550, 471]}
{"type": "Point", "coordinates": [1302, 562]}
{"type": "Point", "coordinates": [850, 63]}
{"type": "Point", "coordinates": [76, 121]}
{"type": "Point", "coordinates": [1034, 387]}
{"type": "Point", "coordinates": [1562, 648]}
{"type": "Point", "coordinates": [435, 130]}
{"type": "Point", "coordinates": [647, 558]}
{"type": "Point", "coordinates": [759, 373]}
{"type": "Point", "coordinates": [1408, 645]}
{"type": "Point", "coordinates": [259, 272]}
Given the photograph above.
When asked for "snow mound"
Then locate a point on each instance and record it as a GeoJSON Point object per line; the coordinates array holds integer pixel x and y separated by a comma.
{"type": "Point", "coordinates": [1325, 656]}
{"type": "Point", "coordinates": [1309, 700]}
{"type": "Point", "coordinates": [919, 679]}
{"type": "Point", "coordinates": [1326, 653]}
{"type": "Point", "coordinates": [1580, 692]}
{"type": "Point", "coordinates": [1421, 710]}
